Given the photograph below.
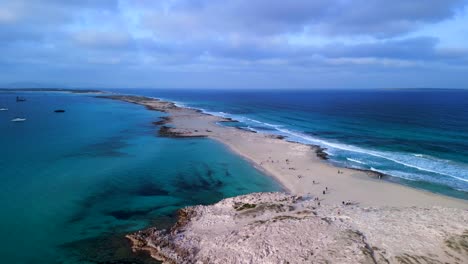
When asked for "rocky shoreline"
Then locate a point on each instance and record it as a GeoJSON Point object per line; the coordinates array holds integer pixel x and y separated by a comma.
{"type": "Point", "coordinates": [282, 228]}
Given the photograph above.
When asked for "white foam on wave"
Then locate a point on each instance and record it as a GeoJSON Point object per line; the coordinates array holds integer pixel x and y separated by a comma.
{"type": "Point", "coordinates": [400, 174]}
{"type": "Point", "coordinates": [179, 104]}
{"type": "Point", "coordinates": [249, 128]}
{"type": "Point", "coordinates": [432, 165]}
{"type": "Point", "coordinates": [428, 166]}
{"type": "Point", "coordinates": [357, 161]}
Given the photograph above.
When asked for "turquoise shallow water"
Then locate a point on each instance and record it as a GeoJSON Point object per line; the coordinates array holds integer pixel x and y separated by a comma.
{"type": "Point", "coordinates": [72, 184]}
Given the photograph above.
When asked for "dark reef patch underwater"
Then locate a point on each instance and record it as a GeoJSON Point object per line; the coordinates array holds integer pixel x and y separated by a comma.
{"type": "Point", "coordinates": [73, 185]}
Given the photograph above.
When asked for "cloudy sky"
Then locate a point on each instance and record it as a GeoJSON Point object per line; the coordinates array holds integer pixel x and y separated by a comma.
{"type": "Point", "coordinates": [234, 43]}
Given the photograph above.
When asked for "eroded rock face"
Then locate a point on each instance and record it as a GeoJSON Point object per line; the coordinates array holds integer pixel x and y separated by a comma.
{"type": "Point", "coordinates": [321, 152]}
{"type": "Point", "coordinates": [282, 228]}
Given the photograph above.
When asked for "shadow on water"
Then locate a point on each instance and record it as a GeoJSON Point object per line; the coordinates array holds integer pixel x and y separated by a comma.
{"type": "Point", "coordinates": [110, 245]}
{"type": "Point", "coordinates": [96, 202]}
{"type": "Point", "coordinates": [148, 188]}
{"type": "Point", "coordinates": [128, 214]}
{"type": "Point", "coordinates": [200, 185]}
{"type": "Point", "coordinates": [87, 203]}
{"type": "Point", "coordinates": [139, 197]}
{"type": "Point", "coordinates": [106, 249]}
{"type": "Point", "coordinates": [200, 178]}
{"type": "Point", "coordinates": [110, 147]}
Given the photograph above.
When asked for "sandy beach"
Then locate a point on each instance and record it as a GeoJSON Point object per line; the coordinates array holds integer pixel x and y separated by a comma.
{"type": "Point", "coordinates": [296, 166]}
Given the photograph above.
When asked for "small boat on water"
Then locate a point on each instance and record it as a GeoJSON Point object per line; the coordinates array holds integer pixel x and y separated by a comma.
{"type": "Point", "coordinates": [18, 119]}
{"type": "Point", "coordinates": [20, 99]}
{"type": "Point", "coordinates": [3, 109]}
{"type": "Point", "coordinates": [59, 111]}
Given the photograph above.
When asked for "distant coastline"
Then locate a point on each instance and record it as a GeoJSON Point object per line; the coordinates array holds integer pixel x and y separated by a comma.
{"type": "Point", "coordinates": [77, 91]}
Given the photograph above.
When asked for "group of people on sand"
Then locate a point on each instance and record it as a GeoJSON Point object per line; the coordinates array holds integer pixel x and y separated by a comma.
{"type": "Point", "coordinates": [325, 191]}
{"type": "Point", "coordinates": [317, 200]}
{"type": "Point", "coordinates": [269, 160]}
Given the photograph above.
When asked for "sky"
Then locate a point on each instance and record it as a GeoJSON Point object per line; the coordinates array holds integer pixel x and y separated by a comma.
{"type": "Point", "coordinates": [234, 44]}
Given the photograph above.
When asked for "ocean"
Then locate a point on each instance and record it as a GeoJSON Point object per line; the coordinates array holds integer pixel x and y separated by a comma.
{"type": "Point", "coordinates": [74, 183]}
{"type": "Point", "coordinates": [418, 137]}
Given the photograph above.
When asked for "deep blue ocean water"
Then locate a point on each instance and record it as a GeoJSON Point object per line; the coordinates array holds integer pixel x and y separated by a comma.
{"type": "Point", "coordinates": [73, 184]}
{"type": "Point", "coordinates": [420, 137]}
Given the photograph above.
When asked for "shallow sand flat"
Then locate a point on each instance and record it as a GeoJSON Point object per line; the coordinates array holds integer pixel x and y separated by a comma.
{"type": "Point", "coordinates": [281, 228]}
{"type": "Point", "coordinates": [296, 166]}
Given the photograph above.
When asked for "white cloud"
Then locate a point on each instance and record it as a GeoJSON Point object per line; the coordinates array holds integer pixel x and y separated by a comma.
{"type": "Point", "coordinates": [255, 39]}
{"type": "Point", "coordinates": [107, 39]}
